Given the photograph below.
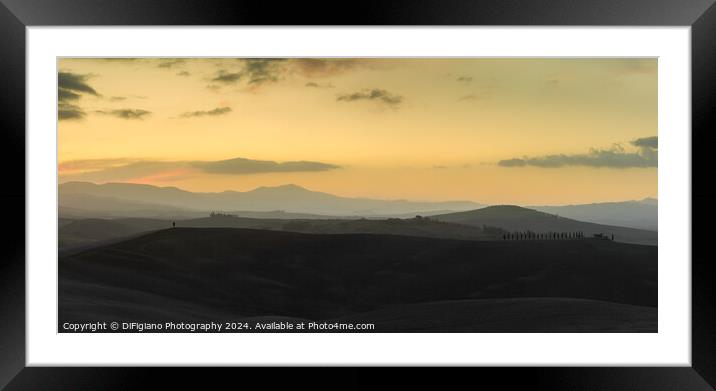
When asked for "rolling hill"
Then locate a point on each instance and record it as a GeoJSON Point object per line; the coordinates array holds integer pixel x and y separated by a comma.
{"type": "Point", "coordinates": [400, 283]}
{"type": "Point", "coordinates": [515, 218]}
{"type": "Point", "coordinates": [84, 231]}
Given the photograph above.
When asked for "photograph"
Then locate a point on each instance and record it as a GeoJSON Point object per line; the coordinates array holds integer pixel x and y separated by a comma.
{"type": "Point", "coordinates": [357, 194]}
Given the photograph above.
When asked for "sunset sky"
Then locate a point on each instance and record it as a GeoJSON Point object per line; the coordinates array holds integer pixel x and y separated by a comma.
{"type": "Point", "coordinates": [495, 131]}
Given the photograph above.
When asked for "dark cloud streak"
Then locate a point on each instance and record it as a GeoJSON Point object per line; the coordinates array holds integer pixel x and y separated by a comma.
{"type": "Point", "coordinates": [121, 169]}
{"type": "Point", "coordinates": [70, 88]}
{"type": "Point", "coordinates": [322, 67]}
{"type": "Point", "coordinates": [128, 114]}
{"type": "Point", "coordinates": [317, 85]}
{"type": "Point", "coordinates": [66, 111]}
{"type": "Point", "coordinates": [471, 97]}
{"type": "Point", "coordinates": [65, 95]}
{"type": "Point", "coordinates": [615, 157]}
{"type": "Point", "coordinates": [249, 166]}
{"type": "Point", "coordinates": [648, 142]}
{"type": "Point", "coordinates": [263, 70]}
{"type": "Point", "coordinates": [74, 82]}
{"type": "Point", "coordinates": [375, 94]}
{"type": "Point", "coordinates": [225, 77]}
{"type": "Point", "coordinates": [206, 113]}
{"type": "Point", "coordinates": [170, 62]}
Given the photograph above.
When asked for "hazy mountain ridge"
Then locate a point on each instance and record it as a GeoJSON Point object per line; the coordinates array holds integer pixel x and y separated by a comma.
{"type": "Point", "coordinates": [81, 205]}
{"type": "Point", "coordinates": [122, 200]}
{"type": "Point", "coordinates": [290, 198]}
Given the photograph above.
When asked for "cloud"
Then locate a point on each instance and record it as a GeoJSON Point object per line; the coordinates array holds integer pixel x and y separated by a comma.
{"type": "Point", "coordinates": [322, 67]}
{"type": "Point", "coordinates": [65, 95]}
{"type": "Point", "coordinates": [375, 94]}
{"type": "Point", "coordinates": [204, 113]}
{"type": "Point", "coordinates": [256, 72]}
{"type": "Point", "coordinates": [647, 142]}
{"type": "Point", "coordinates": [253, 72]}
{"type": "Point", "coordinates": [126, 113]}
{"type": "Point", "coordinates": [109, 170]}
{"type": "Point", "coordinates": [133, 170]}
{"type": "Point", "coordinates": [70, 88]}
{"type": "Point", "coordinates": [471, 98]}
{"type": "Point", "coordinates": [516, 162]}
{"type": "Point", "coordinates": [74, 82]}
{"type": "Point", "coordinates": [170, 62]}
{"type": "Point", "coordinates": [317, 85]}
{"type": "Point", "coordinates": [249, 166]}
{"type": "Point", "coordinates": [66, 111]}
{"type": "Point", "coordinates": [262, 70]}
{"type": "Point", "coordinates": [225, 77]}
{"type": "Point", "coordinates": [91, 164]}
{"type": "Point", "coordinates": [615, 157]}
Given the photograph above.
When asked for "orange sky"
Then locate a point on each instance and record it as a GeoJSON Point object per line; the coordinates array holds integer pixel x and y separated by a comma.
{"type": "Point", "coordinates": [421, 129]}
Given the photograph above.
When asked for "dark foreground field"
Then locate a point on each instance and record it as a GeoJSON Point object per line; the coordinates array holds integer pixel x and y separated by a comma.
{"type": "Point", "coordinates": [399, 283]}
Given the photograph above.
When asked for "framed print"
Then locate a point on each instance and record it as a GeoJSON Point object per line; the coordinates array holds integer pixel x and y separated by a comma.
{"type": "Point", "coordinates": [462, 184]}
{"type": "Point", "coordinates": [315, 241]}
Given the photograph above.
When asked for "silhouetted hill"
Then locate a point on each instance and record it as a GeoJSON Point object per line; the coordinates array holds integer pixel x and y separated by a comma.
{"type": "Point", "coordinates": [89, 230]}
{"type": "Point", "coordinates": [74, 232]}
{"type": "Point", "coordinates": [283, 215]}
{"type": "Point", "coordinates": [642, 214]}
{"type": "Point", "coordinates": [515, 218]}
{"type": "Point", "coordinates": [399, 282]}
{"type": "Point", "coordinates": [288, 198]}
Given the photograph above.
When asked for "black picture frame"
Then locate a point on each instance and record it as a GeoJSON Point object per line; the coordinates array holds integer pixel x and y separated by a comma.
{"type": "Point", "coordinates": [700, 15]}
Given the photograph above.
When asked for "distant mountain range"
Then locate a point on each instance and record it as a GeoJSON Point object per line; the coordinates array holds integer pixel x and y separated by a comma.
{"type": "Point", "coordinates": [125, 199]}
{"type": "Point", "coordinates": [79, 200]}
